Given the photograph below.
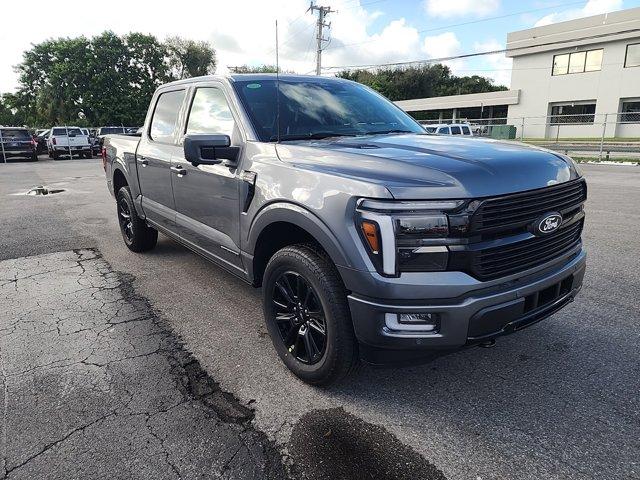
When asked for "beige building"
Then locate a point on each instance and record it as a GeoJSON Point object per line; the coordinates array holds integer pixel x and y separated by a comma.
{"type": "Point", "coordinates": [568, 80]}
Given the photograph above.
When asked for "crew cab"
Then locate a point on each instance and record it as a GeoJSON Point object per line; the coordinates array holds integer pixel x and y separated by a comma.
{"type": "Point", "coordinates": [449, 129]}
{"type": "Point", "coordinates": [371, 240]}
{"type": "Point", "coordinates": [69, 141]}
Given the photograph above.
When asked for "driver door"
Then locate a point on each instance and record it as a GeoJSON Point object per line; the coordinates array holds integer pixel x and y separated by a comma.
{"type": "Point", "coordinates": [207, 197]}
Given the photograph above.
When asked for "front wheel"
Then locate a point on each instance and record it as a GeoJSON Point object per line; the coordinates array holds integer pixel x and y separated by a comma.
{"type": "Point", "coordinates": [307, 315]}
{"type": "Point", "coordinates": [136, 234]}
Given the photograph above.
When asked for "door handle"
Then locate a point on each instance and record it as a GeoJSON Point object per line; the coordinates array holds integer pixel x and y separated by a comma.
{"type": "Point", "coordinates": [178, 170]}
{"type": "Point", "coordinates": [143, 161]}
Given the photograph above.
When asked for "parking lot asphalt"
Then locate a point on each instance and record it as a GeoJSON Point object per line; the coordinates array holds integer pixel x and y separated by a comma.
{"type": "Point", "coordinates": [556, 401]}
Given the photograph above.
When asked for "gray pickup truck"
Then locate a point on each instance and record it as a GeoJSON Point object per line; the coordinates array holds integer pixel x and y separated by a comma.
{"type": "Point", "coordinates": [370, 239]}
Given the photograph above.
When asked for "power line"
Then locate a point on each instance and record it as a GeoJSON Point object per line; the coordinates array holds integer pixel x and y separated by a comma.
{"type": "Point", "coordinates": [479, 54]}
{"type": "Point", "coordinates": [459, 24]}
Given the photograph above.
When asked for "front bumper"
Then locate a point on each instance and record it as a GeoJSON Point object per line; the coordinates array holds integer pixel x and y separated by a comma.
{"type": "Point", "coordinates": [478, 315]}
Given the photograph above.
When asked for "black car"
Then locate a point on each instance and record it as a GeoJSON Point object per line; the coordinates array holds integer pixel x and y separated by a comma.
{"type": "Point", "coordinates": [17, 142]}
{"type": "Point", "coordinates": [41, 140]}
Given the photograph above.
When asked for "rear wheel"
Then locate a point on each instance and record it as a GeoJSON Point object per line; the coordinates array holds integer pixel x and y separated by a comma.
{"type": "Point", "coordinates": [137, 235]}
{"type": "Point", "coordinates": [55, 155]}
{"type": "Point", "coordinates": [34, 157]}
{"type": "Point", "coordinates": [307, 315]}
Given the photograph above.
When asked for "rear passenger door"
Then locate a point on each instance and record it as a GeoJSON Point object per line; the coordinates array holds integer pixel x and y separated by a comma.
{"type": "Point", "coordinates": [207, 196]}
{"type": "Point", "coordinates": [158, 144]}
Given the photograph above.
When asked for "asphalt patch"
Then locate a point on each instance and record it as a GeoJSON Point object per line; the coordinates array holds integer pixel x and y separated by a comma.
{"type": "Point", "coordinates": [333, 444]}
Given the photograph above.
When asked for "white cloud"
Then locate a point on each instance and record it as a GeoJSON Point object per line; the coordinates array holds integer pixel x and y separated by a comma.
{"type": "Point", "coordinates": [496, 66]}
{"type": "Point", "coordinates": [592, 7]}
{"type": "Point", "coordinates": [459, 8]}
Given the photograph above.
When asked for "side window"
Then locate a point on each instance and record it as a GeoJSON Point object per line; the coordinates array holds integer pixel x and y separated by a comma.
{"type": "Point", "coordinates": [165, 116]}
{"type": "Point", "coordinates": [466, 131]}
{"type": "Point", "coordinates": [210, 113]}
{"type": "Point", "coordinates": [455, 130]}
{"type": "Point", "coordinates": [444, 131]}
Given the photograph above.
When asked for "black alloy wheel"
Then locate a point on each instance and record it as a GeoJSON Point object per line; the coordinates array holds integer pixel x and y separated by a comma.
{"type": "Point", "coordinates": [300, 317]}
{"type": "Point", "coordinates": [124, 217]}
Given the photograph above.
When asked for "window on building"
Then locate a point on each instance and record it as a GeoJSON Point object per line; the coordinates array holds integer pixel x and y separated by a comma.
{"type": "Point", "coordinates": [577, 62]}
{"type": "Point", "coordinates": [632, 58]}
{"type": "Point", "coordinates": [630, 112]}
{"type": "Point", "coordinates": [582, 113]}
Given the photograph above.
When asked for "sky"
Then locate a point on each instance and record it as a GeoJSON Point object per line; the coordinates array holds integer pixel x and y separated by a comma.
{"type": "Point", "coordinates": [361, 32]}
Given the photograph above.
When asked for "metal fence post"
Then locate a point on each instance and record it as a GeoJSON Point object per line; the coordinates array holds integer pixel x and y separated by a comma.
{"type": "Point", "coordinates": [604, 129]}
{"type": "Point", "coordinates": [4, 157]}
{"type": "Point", "coordinates": [522, 131]}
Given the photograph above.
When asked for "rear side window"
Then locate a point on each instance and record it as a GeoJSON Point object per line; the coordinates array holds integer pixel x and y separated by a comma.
{"type": "Point", "coordinates": [455, 130]}
{"type": "Point", "coordinates": [165, 116]}
{"type": "Point", "coordinates": [444, 131]}
{"type": "Point", "coordinates": [210, 113]}
{"type": "Point", "coordinates": [466, 131]}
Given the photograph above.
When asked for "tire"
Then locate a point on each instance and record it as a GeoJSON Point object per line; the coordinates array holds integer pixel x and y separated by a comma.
{"type": "Point", "coordinates": [137, 235]}
{"type": "Point", "coordinates": [55, 155]}
{"type": "Point", "coordinates": [34, 157]}
{"type": "Point", "coordinates": [297, 341]}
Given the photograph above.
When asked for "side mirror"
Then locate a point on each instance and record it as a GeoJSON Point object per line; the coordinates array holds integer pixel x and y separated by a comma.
{"type": "Point", "coordinates": [209, 149]}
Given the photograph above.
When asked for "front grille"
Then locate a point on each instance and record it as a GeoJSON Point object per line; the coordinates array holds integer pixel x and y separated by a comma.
{"type": "Point", "coordinates": [515, 257]}
{"type": "Point", "coordinates": [513, 212]}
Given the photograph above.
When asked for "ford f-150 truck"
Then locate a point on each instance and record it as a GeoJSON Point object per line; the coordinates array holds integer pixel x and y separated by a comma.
{"type": "Point", "coordinates": [370, 239]}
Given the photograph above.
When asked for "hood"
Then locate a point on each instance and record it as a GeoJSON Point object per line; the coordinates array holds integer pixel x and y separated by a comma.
{"type": "Point", "coordinates": [415, 166]}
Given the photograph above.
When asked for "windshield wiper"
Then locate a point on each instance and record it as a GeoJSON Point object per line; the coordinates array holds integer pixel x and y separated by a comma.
{"type": "Point", "coordinates": [310, 136]}
{"type": "Point", "coordinates": [384, 132]}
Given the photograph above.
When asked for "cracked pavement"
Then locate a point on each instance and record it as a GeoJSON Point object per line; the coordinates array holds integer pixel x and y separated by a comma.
{"type": "Point", "coordinates": [95, 386]}
{"type": "Point", "coordinates": [556, 401]}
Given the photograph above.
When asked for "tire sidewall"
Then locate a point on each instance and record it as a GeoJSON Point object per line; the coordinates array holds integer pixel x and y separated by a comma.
{"type": "Point", "coordinates": [318, 371]}
{"type": "Point", "coordinates": [125, 196]}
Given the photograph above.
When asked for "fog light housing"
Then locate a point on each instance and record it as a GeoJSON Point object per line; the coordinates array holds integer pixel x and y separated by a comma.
{"type": "Point", "coordinates": [428, 323]}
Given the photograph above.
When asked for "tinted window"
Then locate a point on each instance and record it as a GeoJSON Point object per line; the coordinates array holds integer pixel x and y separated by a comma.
{"type": "Point", "coordinates": [444, 131]}
{"type": "Point", "coordinates": [466, 131]}
{"type": "Point", "coordinates": [111, 130]}
{"type": "Point", "coordinates": [633, 56]}
{"type": "Point", "coordinates": [630, 112]}
{"type": "Point", "coordinates": [61, 132]}
{"type": "Point", "coordinates": [583, 113]}
{"type": "Point", "coordinates": [430, 129]}
{"type": "Point", "coordinates": [210, 113]}
{"type": "Point", "coordinates": [165, 116]}
{"type": "Point", "coordinates": [455, 130]}
{"type": "Point", "coordinates": [8, 134]}
{"type": "Point", "coordinates": [321, 107]}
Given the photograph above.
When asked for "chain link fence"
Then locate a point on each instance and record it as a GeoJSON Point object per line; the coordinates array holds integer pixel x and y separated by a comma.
{"type": "Point", "coordinates": [591, 134]}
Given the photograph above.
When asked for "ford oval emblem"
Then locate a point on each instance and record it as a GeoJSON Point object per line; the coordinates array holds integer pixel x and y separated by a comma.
{"type": "Point", "coordinates": [548, 224]}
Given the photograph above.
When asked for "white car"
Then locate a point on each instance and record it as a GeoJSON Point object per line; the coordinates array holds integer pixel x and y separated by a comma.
{"type": "Point", "coordinates": [449, 129]}
{"type": "Point", "coordinates": [69, 141]}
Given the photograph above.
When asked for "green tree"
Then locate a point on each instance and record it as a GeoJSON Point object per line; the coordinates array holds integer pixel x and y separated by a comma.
{"type": "Point", "coordinates": [258, 69]}
{"type": "Point", "coordinates": [188, 58]}
{"type": "Point", "coordinates": [105, 80]}
{"type": "Point", "coordinates": [420, 82]}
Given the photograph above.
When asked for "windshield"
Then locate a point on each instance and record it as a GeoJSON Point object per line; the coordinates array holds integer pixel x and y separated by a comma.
{"type": "Point", "coordinates": [319, 109]}
{"type": "Point", "coordinates": [16, 134]}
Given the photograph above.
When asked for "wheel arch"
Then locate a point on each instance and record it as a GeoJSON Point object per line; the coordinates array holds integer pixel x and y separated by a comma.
{"type": "Point", "coordinates": [282, 224]}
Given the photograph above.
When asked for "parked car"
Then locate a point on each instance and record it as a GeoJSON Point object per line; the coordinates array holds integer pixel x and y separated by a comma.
{"type": "Point", "coordinates": [449, 129]}
{"type": "Point", "coordinates": [16, 142]}
{"type": "Point", "coordinates": [68, 141]}
{"type": "Point", "coordinates": [93, 141]}
{"type": "Point", "coordinates": [41, 140]}
{"type": "Point", "coordinates": [371, 240]}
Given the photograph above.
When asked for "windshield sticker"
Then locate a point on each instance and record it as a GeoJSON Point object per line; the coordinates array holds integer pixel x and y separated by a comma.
{"type": "Point", "coordinates": [254, 85]}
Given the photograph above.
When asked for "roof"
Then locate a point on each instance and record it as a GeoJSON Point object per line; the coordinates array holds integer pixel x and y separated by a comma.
{"type": "Point", "coordinates": [503, 97]}
{"type": "Point", "coordinates": [607, 27]}
{"type": "Point", "coordinates": [255, 77]}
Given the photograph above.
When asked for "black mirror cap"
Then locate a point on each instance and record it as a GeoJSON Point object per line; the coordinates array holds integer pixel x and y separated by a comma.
{"type": "Point", "coordinates": [209, 149]}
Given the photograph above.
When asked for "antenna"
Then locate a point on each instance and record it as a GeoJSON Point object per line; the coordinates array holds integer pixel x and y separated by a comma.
{"type": "Point", "coordinates": [277, 88]}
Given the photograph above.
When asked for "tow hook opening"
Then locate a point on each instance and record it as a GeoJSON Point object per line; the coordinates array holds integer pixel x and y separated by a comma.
{"type": "Point", "coordinates": [487, 343]}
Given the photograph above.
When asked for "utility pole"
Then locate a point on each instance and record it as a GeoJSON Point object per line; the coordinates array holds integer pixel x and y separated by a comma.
{"type": "Point", "coordinates": [322, 14]}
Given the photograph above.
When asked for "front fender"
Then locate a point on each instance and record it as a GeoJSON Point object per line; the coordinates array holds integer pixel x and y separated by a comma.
{"type": "Point", "coordinates": [301, 217]}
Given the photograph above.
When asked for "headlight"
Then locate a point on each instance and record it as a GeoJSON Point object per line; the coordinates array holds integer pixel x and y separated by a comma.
{"type": "Point", "coordinates": [403, 236]}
